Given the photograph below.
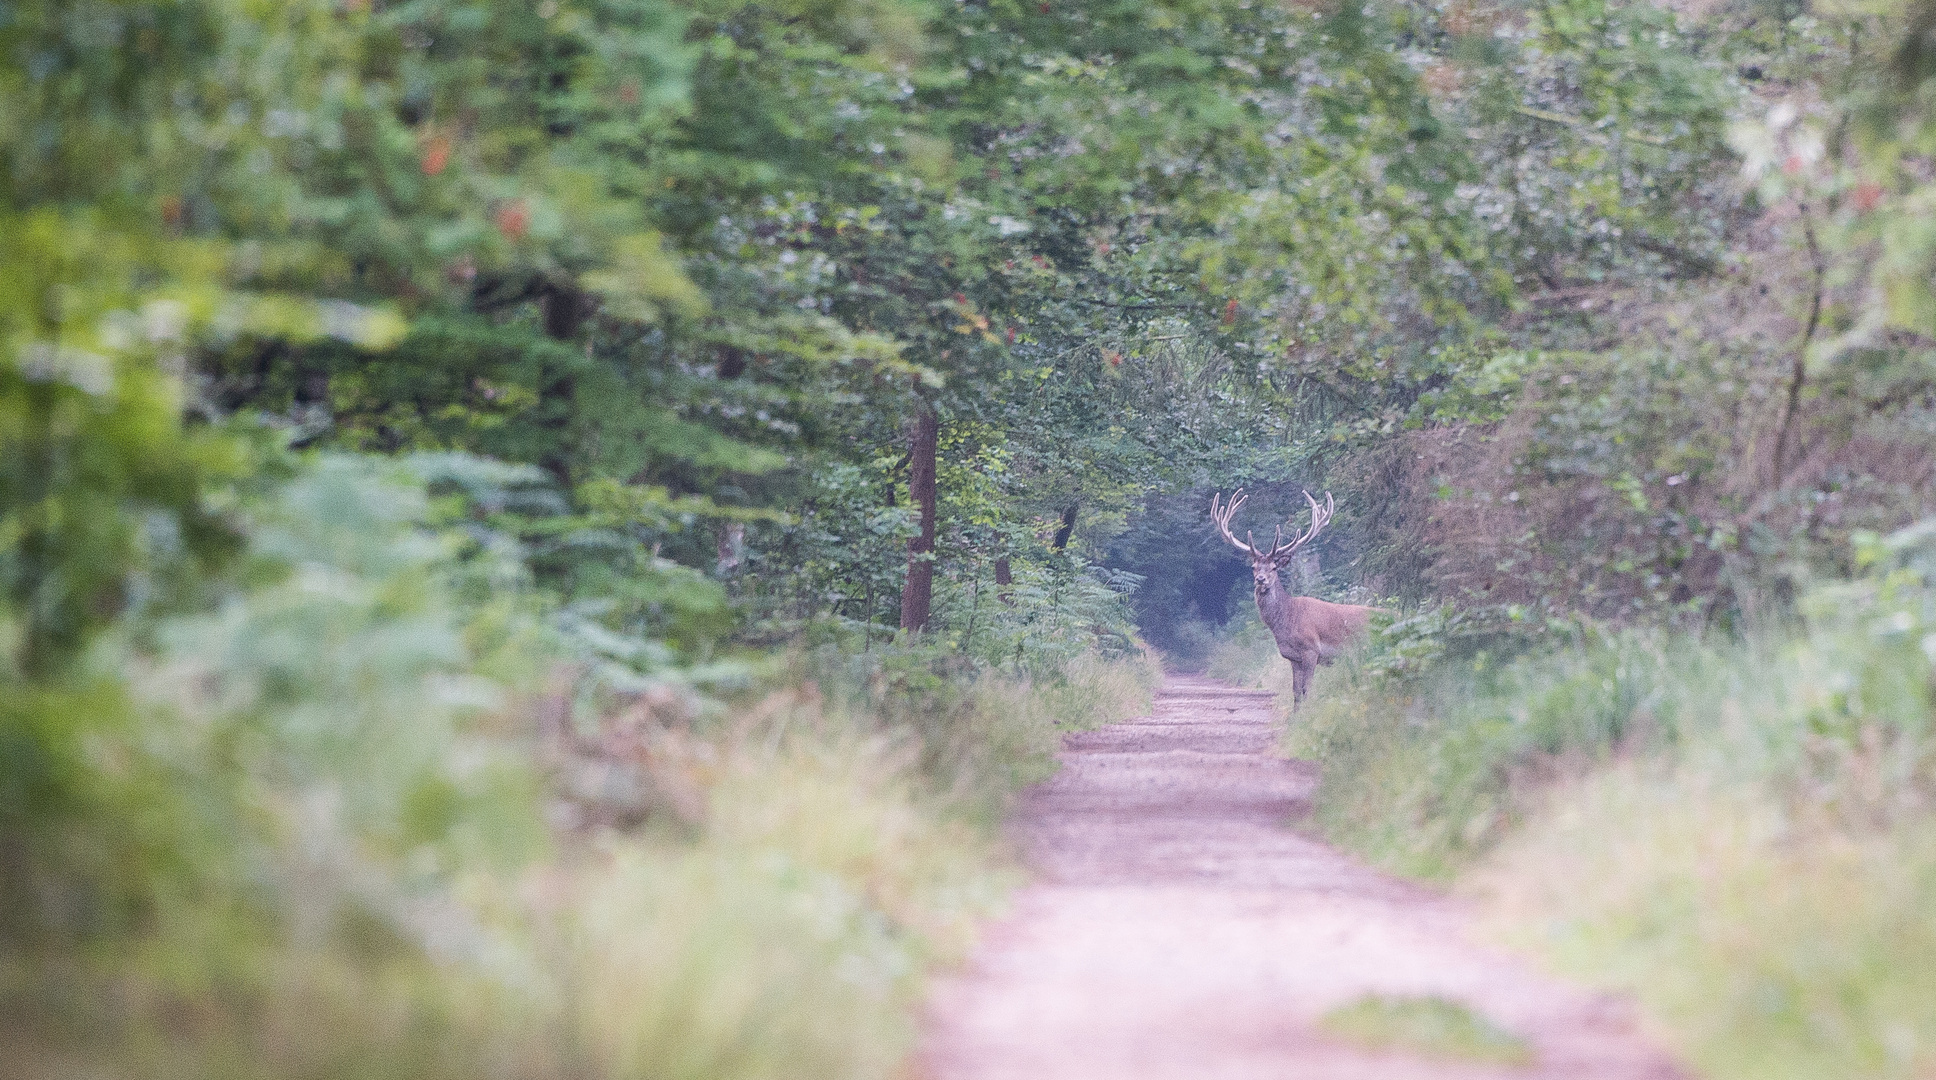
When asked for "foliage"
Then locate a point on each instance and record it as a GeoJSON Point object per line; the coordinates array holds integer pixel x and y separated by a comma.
{"type": "Point", "coordinates": [1441, 763]}
{"type": "Point", "coordinates": [1735, 832]}
{"type": "Point", "coordinates": [1431, 771]}
{"type": "Point", "coordinates": [697, 264]}
{"type": "Point", "coordinates": [984, 735]}
{"type": "Point", "coordinates": [458, 472]}
{"type": "Point", "coordinates": [1697, 452]}
{"type": "Point", "coordinates": [360, 826]}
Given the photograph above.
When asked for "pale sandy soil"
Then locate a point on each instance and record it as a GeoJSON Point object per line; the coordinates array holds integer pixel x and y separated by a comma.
{"type": "Point", "coordinates": [1178, 927]}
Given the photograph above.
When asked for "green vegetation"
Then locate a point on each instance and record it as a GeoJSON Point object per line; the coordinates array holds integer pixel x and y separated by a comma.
{"type": "Point", "coordinates": [1432, 1027]}
{"type": "Point", "coordinates": [532, 535]}
{"type": "Point", "coordinates": [1738, 833]}
{"type": "Point", "coordinates": [1658, 694]}
{"type": "Point", "coordinates": [350, 822]}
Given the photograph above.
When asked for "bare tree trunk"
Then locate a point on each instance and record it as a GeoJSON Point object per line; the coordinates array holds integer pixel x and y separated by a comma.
{"type": "Point", "coordinates": [1068, 528]}
{"type": "Point", "coordinates": [1800, 374]}
{"type": "Point", "coordinates": [917, 597]}
{"type": "Point", "coordinates": [564, 311]}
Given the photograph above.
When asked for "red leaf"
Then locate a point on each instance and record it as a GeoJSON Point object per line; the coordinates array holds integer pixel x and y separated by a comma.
{"type": "Point", "coordinates": [436, 155]}
{"type": "Point", "coordinates": [513, 219]}
{"type": "Point", "coordinates": [1868, 195]}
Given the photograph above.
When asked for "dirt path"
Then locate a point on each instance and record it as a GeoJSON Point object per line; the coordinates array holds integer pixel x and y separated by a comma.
{"type": "Point", "coordinates": [1178, 928]}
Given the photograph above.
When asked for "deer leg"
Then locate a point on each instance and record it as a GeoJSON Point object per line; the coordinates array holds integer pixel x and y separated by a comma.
{"type": "Point", "coordinates": [1301, 672]}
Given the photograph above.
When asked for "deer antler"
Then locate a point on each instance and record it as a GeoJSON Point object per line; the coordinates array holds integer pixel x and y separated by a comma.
{"type": "Point", "coordinates": [1280, 552]}
{"type": "Point", "coordinates": [1320, 517]}
{"type": "Point", "coordinates": [1221, 516]}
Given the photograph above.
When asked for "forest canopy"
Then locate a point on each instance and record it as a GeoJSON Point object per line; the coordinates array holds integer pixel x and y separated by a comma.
{"type": "Point", "coordinates": [731, 280]}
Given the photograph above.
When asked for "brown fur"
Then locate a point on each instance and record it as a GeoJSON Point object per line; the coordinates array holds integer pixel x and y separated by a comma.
{"type": "Point", "coordinates": [1309, 631]}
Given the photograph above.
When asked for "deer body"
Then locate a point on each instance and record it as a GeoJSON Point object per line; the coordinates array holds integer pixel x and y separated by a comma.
{"type": "Point", "coordinates": [1309, 631]}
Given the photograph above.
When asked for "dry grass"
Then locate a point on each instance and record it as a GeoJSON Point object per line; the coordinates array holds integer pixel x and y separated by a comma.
{"type": "Point", "coordinates": [1741, 837]}
{"type": "Point", "coordinates": [790, 939]}
{"type": "Point", "coordinates": [1762, 946]}
{"type": "Point", "coordinates": [756, 896]}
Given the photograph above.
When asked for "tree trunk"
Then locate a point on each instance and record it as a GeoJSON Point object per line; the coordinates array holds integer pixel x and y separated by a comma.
{"type": "Point", "coordinates": [564, 311]}
{"type": "Point", "coordinates": [1004, 576]}
{"type": "Point", "coordinates": [1068, 528]}
{"type": "Point", "coordinates": [917, 597]}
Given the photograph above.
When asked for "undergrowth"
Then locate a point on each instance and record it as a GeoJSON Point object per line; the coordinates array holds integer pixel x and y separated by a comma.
{"type": "Point", "coordinates": [349, 824]}
{"type": "Point", "coordinates": [1741, 832]}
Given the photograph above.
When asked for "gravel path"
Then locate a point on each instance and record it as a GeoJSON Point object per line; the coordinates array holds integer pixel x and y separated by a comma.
{"type": "Point", "coordinates": [1178, 928]}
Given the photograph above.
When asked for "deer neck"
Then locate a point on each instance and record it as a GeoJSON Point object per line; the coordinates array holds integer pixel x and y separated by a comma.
{"type": "Point", "coordinates": [1273, 603]}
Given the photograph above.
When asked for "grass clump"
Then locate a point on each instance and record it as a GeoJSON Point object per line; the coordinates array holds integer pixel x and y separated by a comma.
{"type": "Point", "coordinates": [1431, 1026]}
{"type": "Point", "coordinates": [1740, 833]}
{"type": "Point", "coordinates": [1759, 943]}
{"type": "Point", "coordinates": [1430, 772]}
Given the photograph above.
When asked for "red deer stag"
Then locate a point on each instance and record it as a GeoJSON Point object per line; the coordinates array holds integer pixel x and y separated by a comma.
{"type": "Point", "coordinates": [1309, 631]}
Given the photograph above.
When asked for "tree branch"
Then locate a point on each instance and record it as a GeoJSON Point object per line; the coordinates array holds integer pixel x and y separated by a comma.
{"type": "Point", "coordinates": [1130, 307]}
{"type": "Point", "coordinates": [1585, 129]}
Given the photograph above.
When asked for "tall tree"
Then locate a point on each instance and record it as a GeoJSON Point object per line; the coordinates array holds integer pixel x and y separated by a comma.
{"type": "Point", "coordinates": [917, 597]}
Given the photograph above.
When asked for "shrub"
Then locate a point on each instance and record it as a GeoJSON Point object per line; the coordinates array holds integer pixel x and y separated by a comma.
{"type": "Point", "coordinates": [1736, 832]}
{"type": "Point", "coordinates": [359, 820]}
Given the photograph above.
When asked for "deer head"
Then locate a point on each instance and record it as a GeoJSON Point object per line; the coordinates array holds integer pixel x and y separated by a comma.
{"type": "Point", "coordinates": [1264, 563]}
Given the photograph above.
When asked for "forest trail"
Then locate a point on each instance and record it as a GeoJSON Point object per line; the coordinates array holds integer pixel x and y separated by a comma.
{"type": "Point", "coordinates": [1177, 928]}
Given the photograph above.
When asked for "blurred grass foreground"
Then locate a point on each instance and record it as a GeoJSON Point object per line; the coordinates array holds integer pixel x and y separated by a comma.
{"type": "Point", "coordinates": [1736, 831]}
{"type": "Point", "coordinates": [351, 822]}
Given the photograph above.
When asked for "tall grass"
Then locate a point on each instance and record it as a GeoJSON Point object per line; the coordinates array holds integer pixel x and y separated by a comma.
{"type": "Point", "coordinates": [1246, 654]}
{"type": "Point", "coordinates": [788, 936]}
{"type": "Point", "coordinates": [346, 826]}
{"type": "Point", "coordinates": [1429, 772]}
{"type": "Point", "coordinates": [1740, 833]}
{"type": "Point", "coordinates": [1761, 941]}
